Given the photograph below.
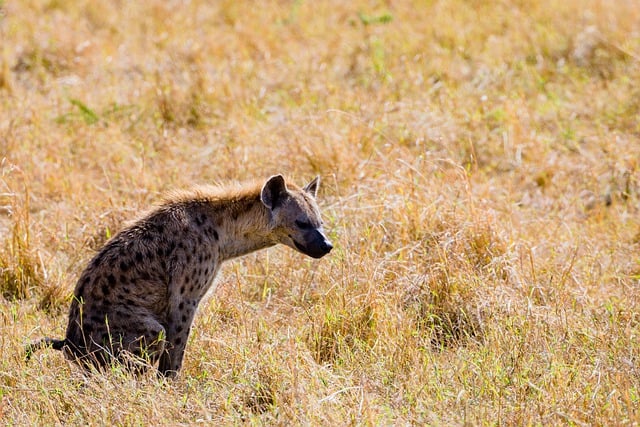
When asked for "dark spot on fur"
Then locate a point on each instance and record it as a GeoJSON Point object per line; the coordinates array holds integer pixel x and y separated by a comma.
{"type": "Point", "coordinates": [97, 259]}
{"type": "Point", "coordinates": [80, 291]}
{"type": "Point", "coordinates": [105, 289]}
{"type": "Point", "coordinates": [124, 266]}
{"type": "Point", "coordinates": [96, 318]}
{"type": "Point", "coordinates": [182, 290]}
{"type": "Point", "coordinates": [123, 314]}
{"type": "Point", "coordinates": [178, 340]}
{"type": "Point", "coordinates": [123, 279]}
{"type": "Point", "coordinates": [126, 290]}
{"type": "Point", "coordinates": [111, 279]}
{"type": "Point", "coordinates": [145, 275]}
{"type": "Point", "coordinates": [179, 329]}
{"type": "Point", "coordinates": [82, 284]}
{"type": "Point", "coordinates": [184, 318]}
{"type": "Point", "coordinates": [181, 306]}
{"type": "Point", "coordinates": [139, 256]}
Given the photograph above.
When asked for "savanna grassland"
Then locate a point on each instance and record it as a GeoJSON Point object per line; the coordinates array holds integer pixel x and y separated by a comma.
{"type": "Point", "coordinates": [480, 167]}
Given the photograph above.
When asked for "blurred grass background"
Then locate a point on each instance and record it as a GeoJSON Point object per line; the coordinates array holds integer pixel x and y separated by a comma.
{"type": "Point", "coordinates": [480, 181]}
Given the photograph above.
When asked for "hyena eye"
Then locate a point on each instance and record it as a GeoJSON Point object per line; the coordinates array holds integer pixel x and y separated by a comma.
{"type": "Point", "coordinates": [303, 225]}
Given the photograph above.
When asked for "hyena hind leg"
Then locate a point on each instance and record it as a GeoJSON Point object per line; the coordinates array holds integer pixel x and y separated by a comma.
{"type": "Point", "coordinates": [143, 346]}
{"type": "Point", "coordinates": [135, 345]}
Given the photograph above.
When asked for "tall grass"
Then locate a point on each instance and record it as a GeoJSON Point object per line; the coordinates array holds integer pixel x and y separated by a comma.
{"type": "Point", "coordinates": [480, 182]}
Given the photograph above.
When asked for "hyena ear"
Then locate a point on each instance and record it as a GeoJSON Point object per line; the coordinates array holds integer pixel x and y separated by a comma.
{"type": "Point", "coordinates": [312, 187]}
{"type": "Point", "coordinates": [273, 191]}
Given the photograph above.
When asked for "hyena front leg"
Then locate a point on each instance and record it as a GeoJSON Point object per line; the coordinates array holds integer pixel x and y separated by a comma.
{"type": "Point", "coordinates": [178, 328]}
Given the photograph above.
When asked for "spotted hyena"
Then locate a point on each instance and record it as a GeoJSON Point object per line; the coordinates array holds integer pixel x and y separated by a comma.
{"type": "Point", "coordinates": [139, 294]}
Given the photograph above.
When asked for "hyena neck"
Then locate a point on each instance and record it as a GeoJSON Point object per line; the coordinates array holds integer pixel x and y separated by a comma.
{"type": "Point", "coordinates": [246, 229]}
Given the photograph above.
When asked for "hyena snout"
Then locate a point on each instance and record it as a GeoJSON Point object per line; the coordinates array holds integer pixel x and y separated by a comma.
{"type": "Point", "coordinates": [315, 244]}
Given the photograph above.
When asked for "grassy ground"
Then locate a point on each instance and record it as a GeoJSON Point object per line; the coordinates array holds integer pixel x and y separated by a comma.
{"type": "Point", "coordinates": [481, 184]}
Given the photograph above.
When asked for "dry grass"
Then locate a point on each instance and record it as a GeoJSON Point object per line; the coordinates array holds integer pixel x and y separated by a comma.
{"type": "Point", "coordinates": [481, 185]}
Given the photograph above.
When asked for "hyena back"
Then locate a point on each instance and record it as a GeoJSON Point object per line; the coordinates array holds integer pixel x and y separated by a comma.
{"type": "Point", "coordinates": [139, 294]}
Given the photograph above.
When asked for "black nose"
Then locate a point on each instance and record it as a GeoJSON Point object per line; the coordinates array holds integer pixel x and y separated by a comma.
{"type": "Point", "coordinates": [327, 246]}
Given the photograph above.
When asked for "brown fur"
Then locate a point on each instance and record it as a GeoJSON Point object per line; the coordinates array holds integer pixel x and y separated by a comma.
{"type": "Point", "coordinates": [139, 294]}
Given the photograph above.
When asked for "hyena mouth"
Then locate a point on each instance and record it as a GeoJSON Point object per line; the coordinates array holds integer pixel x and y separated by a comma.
{"type": "Point", "coordinates": [314, 251]}
{"type": "Point", "coordinates": [300, 247]}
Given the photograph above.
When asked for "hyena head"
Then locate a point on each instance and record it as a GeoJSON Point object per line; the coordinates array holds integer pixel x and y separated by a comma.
{"type": "Point", "coordinates": [295, 217]}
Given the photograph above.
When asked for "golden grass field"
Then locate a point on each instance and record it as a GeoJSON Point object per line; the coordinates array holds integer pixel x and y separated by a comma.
{"type": "Point", "coordinates": [480, 167]}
